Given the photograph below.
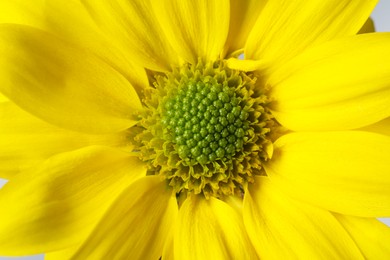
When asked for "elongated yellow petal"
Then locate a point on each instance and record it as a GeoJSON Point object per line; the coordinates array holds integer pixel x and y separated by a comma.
{"type": "Point", "coordinates": [26, 141]}
{"type": "Point", "coordinates": [285, 28]}
{"type": "Point", "coordinates": [210, 229]}
{"type": "Point", "coordinates": [62, 84]}
{"type": "Point", "coordinates": [247, 65]}
{"type": "Point", "coordinates": [168, 251]}
{"type": "Point", "coordinates": [23, 12]}
{"type": "Point", "coordinates": [282, 228]}
{"type": "Point", "coordinates": [90, 37]}
{"type": "Point", "coordinates": [196, 29]}
{"type": "Point", "coordinates": [136, 226]}
{"type": "Point", "coordinates": [345, 172]}
{"type": "Point", "coordinates": [371, 236]}
{"type": "Point", "coordinates": [58, 204]}
{"type": "Point", "coordinates": [53, 16]}
{"type": "Point", "coordinates": [64, 254]}
{"type": "Point", "coordinates": [243, 15]}
{"type": "Point", "coordinates": [3, 98]}
{"type": "Point", "coordinates": [340, 85]}
{"type": "Point", "coordinates": [134, 28]}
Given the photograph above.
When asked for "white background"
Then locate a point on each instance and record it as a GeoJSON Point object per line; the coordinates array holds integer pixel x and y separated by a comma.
{"type": "Point", "coordinates": [381, 17]}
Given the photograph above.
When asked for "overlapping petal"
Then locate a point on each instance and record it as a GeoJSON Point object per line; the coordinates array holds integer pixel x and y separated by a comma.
{"type": "Point", "coordinates": [168, 252]}
{"type": "Point", "coordinates": [243, 15]}
{"type": "Point", "coordinates": [136, 226]}
{"type": "Point", "coordinates": [57, 205]}
{"type": "Point", "coordinates": [196, 29]}
{"type": "Point", "coordinates": [134, 28]}
{"type": "Point", "coordinates": [345, 172]}
{"type": "Point", "coordinates": [339, 85]}
{"type": "Point", "coordinates": [371, 236]}
{"type": "Point", "coordinates": [285, 28]}
{"type": "Point", "coordinates": [23, 12]}
{"type": "Point", "coordinates": [282, 228]}
{"type": "Point", "coordinates": [3, 98]}
{"type": "Point", "coordinates": [64, 254]}
{"type": "Point", "coordinates": [26, 141]}
{"type": "Point", "coordinates": [210, 229]}
{"type": "Point", "coordinates": [53, 16]}
{"type": "Point", "coordinates": [90, 37]}
{"type": "Point", "coordinates": [62, 84]}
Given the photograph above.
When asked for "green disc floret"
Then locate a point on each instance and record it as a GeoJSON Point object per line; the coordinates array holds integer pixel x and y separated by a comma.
{"type": "Point", "coordinates": [216, 124]}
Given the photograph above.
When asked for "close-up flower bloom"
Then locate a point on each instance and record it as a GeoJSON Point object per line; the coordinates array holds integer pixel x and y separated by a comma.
{"type": "Point", "coordinates": [203, 129]}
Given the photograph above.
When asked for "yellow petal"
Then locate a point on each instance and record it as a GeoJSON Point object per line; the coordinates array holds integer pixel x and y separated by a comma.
{"type": "Point", "coordinates": [282, 228]}
{"type": "Point", "coordinates": [53, 16]}
{"type": "Point", "coordinates": [195, 29]}
{"type": "Point", "coordinates": [168, 252]}
{"type": "Point", "coordinates": [63, 84]}
{"type": "Point", "coordinates": [23, 12]}
{"type": "Point", "coordinates": [285, 28]}
{"type": "Point", "coordinates": [64, 254]}
{"type": "Point", "coordinates": [345, 172]}
{"type": "Point", "coordinates": [243, 15]}
{"type": "Point", "coordinates": [235, 202]}
{"type": "Point", "coordinates": [246, 65]}
{"type": "Point", "coordinates": [136, 226]}
{"type": "Point", "coordinates": [3, 98]}
{"type": "Point", "coordinates": [26, 141]}
{"type": "Point", "coordinates": [371, 236]}
{"type": "Point", "coordinates": [57, 205]}
{"type": "Point", "coordinates": [210, 229]}
{"type": "Point", "coordinates": [133, 27]}
{"type": "Point", "coordinates": [368, 27]}
{"type": "Point", "coordinates": [339, 85]}
{"type": "Point", "coordinates": [89, 37]}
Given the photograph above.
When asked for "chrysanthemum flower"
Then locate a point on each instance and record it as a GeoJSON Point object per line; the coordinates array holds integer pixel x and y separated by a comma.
{"type": "Point", "coordinates": [131, 130]}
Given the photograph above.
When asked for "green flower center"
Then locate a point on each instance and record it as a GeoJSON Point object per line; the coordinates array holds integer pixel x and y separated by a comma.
{"type": "Point", "coordinates": [206, 129]}
{"type": "Point", "coordinates": [205, 121]}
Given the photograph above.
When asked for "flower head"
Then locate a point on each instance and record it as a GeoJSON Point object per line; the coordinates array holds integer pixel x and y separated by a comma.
{"type": "Point", "coordinates": [132, 130]}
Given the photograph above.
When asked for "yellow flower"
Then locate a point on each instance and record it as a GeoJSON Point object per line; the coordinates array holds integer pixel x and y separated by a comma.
{"type": "Point", "coordinates": [131, 130]}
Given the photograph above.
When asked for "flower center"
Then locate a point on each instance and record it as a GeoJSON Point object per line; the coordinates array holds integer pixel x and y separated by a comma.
{"type": "Point", "coordinates": [206, 121]}
{"type": "Point", "coordinates": [206, 129]}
